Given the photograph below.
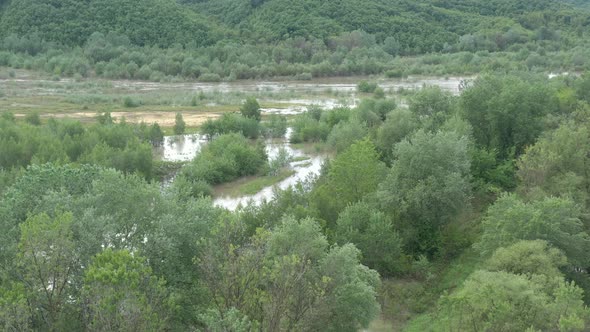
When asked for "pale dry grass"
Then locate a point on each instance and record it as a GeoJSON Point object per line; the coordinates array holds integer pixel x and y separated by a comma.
{"type": "Point", "coordinates": [164, 119]}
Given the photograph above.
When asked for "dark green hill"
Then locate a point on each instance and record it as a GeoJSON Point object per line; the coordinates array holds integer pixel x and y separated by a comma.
{"type": "Point", "coordinates": [145, 22]}
{"type": "Point", "coordinates": [418, 26]}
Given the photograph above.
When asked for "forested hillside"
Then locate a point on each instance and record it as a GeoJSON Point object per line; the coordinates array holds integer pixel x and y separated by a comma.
{"type": "Point", "coordinates": [418, 26]}
{"type": "Point", "coordinates": [161, 40]}
{"type": "Point", "coordinates": [71, 22]}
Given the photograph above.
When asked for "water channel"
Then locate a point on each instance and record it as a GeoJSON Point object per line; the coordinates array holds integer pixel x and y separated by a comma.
{"type": "Point", "coordinates": [186, 147]}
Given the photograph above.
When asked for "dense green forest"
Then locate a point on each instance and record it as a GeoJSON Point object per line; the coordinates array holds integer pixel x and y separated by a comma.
{"type": "Point", "coordinates": [227, 40]}
{"type": "Point", "coordinates": [488, 188]}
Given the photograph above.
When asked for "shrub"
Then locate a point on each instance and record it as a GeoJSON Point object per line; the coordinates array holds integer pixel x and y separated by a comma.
{"type": "Point", "coordinates": [231, 123]}
{"type": "Point", "coordinates": [366, 87]}
{"type": "Point", "coordinates": [210, 77]}
{"type": "Point", "coordinates": [251, 109]}
{"type": "Point", "coordinates": [130, 102]}
{"type": "Point", "coordinates": [226, 158]}
{"type": "Point", "coordinates": [179, 125]}
{"type": "Point", "coordinates": [307, 129]}
{"type": "Point", "coordinates": [395, 73]}
{"type": "Point", "coordinates": [33, 118]}
{"type": "Point", "coordinates": [276, 126]}
{"type": "Point", "coordinates": [345, 133]}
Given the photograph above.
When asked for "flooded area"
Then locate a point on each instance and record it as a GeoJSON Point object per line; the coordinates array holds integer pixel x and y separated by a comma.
{"type": "Point", "coordinates": [348, 84]}
{"type": "Point", "coordinates": [180, 148]}
{"type": "Point", "coordinates": [158, 102]}
{"type": "Point", "coordinates": [197, 101]}
{"type": "Point", "coordinates": [184, 148]}
{"type": "Point", "coordinates": [303, 170]}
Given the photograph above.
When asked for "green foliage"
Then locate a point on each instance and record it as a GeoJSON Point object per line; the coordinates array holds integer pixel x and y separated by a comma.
{"type": "Point", "coordinates": [281, 160]}
{"type": "Point", "coordinates": [427, 186]}
{"type": "Point", "coordinates": [251, 109]}
{"type": "Point", "coordinates": [507, 113]}
{"type": "Point", "coordinates": [179, 124]}
{"type": "Point", "coordinates": [232, 320]}
{"type": "Point", "coordinates": [555, 220]}
{"type": "Point", "coordinates": [14, 314]}
{"type": "Point", "coordinates": [74, 22]}
{"type": "Point", "coordinates": [120, 293]}
{"type": "Point", "coordinates": [398, 125]}
{"type": "Point", "coordinates": [100, 202]}
{"type": "Point", "coordinates": [231, 123]}
{"type": "Point", "coordinates": [122, 146]}
{"type": "Point", "coordinates": [275, 126]}
{"type": "Point", "coordinates": [373, 233]}
{"type": "Point", "coordinates": [47, 265]}
{"type": "Point", "coordinates": [309, 128]}
{"type": "Point", "coordinates": [366, 87]}
{"type": "Point", "coordinates": [226, 158]}
{"type": "Point", "coordinates": [352, 175]}
{"type": "Point", "coordinates": [432, 106]}
{"type": "Point", "coordinates": [33, 118]}
{"type": "Point", "coordinates": [344, 134]}
{"type": "Point", "coordinates": [290, 277]}
{"type": "Point", "coordinates": [130, 102]}
{"type": "Point", "coordinates": [499, 300]}
{"type": "Point", "coordinates": [557, 165]}
{"type": "Point", "coordinates": [528, 258]}
{"type": "Point", "coordinates": [215, 41]}
{"type": "Point", "coordinates": [156, 135]}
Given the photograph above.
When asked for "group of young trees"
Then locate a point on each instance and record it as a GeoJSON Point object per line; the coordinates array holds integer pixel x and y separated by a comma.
{"type": "Point", "coordinates": [89, 248]}
{"type": "Point", "coordinates": [123, 146]}
{"type": "Point", "coordinates": [410, 202]}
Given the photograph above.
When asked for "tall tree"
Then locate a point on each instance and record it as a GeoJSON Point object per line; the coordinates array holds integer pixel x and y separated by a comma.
{"type": "Point", "coordinates": [352, 174]}
{"type": "Point", "coordinates": [427, 186]}
{"type": "Point", "coordinates": [507, 112]}
{"type": "Point", "coordinates": [121, 294]}
{"type": "Point", "coordinates": [47, 262]}
{"type": "Point", "coordinates": [555, 220]}
{"type": "Point", "coordinates": [251, 109]}
{"type": "Point", "coordinates": [179, 124]}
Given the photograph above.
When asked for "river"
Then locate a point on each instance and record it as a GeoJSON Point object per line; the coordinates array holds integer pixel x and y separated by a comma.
{"type": "Point", "coordinates": [186, 147]}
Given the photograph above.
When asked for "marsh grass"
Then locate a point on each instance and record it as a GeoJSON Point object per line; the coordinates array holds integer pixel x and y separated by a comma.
{"type": "Point", "coordinates": [251, 185]}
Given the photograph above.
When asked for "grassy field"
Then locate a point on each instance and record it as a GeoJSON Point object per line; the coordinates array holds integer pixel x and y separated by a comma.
{"type": "Point", "coordinates": [250, 185]}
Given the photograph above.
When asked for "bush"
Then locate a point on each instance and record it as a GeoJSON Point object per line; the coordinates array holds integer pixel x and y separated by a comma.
{"type": "Point", "coordinates": [130, 102]}
{"type": "Point", "coordinates": [210, 77]}
{"type": "Point", "coordinates": [226, 158]}
{"type": "Point", "coordinates": [33, 118]}
{"type": "Point", "coordinates": [395, 73]}
{"type": "Point", "coordinates": [379, 93]}
{"type": "Point", "coordinates": [231, 123]}
{"type": "Point", "coordinates": [345, 134]}
{"type": "Point", "coordinates": [307, 129]}
{"type": "Point", "coordinates": [275, 127]}
{"type": "Point", "coordinates": [366, 87]}
{"type": "Point", "coordinates": [179, 125]}
{"type": "Point", "coordinates": [282, 159]}
{"type": "Point", "coordinates": [251, 109]}
{"type": "Point", "coordinates": [304, 77]}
